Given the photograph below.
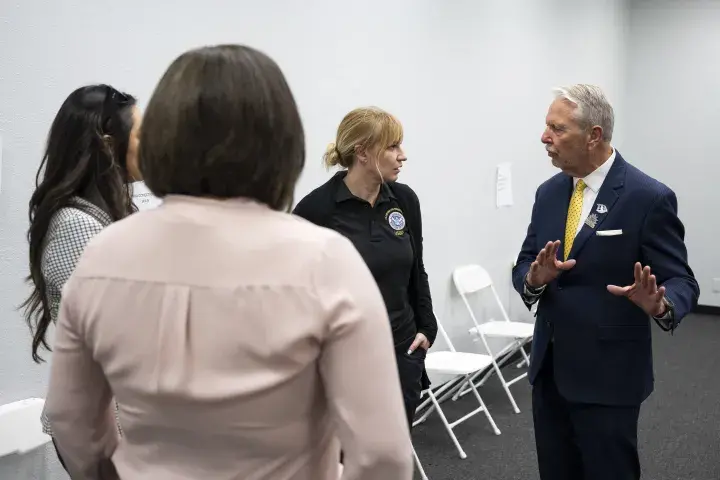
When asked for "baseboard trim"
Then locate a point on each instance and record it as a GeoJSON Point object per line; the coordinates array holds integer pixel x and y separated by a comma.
{"type": "Point", "coordinates": [707, 310]}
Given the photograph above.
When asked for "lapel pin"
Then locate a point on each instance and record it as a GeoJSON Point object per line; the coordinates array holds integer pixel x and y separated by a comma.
{"type": "Point", "coordinates": [592, 220]}
{"type": "Point", "coordinates": [601, 208]}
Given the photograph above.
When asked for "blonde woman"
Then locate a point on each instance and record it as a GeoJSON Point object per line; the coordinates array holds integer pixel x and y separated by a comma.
{"type": "Point", "coordinates": [382, 218]}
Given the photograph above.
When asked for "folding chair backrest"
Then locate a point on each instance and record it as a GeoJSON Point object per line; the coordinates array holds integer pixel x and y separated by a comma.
{"type": "Point", "coordinates": [444, 334]}
{"type": "Point", "coordinates": [471, 279]}
{"type": "Point", "coordinates": [474, 278]}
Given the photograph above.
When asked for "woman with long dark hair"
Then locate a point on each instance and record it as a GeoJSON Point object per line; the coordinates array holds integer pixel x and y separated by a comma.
{"type": "Point", "coordinates": [82, 186]}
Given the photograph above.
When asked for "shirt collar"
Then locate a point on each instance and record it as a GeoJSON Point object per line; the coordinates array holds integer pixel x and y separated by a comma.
{"type": "Point", "coordinates": [343, 193]}
{"type": "Point", "coordinates": [595, 180]}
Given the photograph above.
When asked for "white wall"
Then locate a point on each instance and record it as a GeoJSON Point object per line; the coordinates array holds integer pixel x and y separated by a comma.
{"type": "Point", "coordinates": [470, 81]}
{"type": "Point", "coordinates": [673, 116]}
{"type": "Point", "coordinates": [490, 68]}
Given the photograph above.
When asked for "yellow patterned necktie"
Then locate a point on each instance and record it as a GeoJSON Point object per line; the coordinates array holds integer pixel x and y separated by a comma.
{"type": "Point", "coordinates": [573, 216]}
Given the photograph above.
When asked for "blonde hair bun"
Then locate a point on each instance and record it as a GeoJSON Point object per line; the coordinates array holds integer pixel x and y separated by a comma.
{"type": "Point", "coordinates": [331, 157]}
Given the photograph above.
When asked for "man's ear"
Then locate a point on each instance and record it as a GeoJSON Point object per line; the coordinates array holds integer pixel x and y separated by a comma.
{"type": "Point", "coordinates": [596, 135]}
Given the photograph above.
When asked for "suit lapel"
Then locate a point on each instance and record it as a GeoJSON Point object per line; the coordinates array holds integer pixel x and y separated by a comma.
{"type": "Point", "coordinates": [607, 197]}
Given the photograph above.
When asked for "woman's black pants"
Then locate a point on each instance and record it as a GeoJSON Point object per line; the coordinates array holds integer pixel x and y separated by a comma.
{"type": "Point", "coordinates": [411, 369]}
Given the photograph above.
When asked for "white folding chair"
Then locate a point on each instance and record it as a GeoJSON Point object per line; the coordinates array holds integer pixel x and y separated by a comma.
{"type": "Point", "coordinates": [471, 279]}
{"type": "Point", "coordinates": [461, 366]}
{"type": "Point", "coordinates": [20, 427]}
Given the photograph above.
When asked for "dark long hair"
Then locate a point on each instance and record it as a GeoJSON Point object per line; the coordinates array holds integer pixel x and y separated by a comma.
{"type": "Point", "coordinates": [85, 157]}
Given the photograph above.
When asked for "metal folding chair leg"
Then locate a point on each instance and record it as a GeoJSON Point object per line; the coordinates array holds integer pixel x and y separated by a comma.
{"type": "Point", "coordinates": [450, 426]}
{"type": "Point", "coordinates": [526, 359]}
{"type": "Point", "coordinates": [485, 373]}
{"type": "Point", "coordinates": [506, 386]}
{"type": "Point", "coordinates": [487, 412]}
{"type": "Point", "coordinates": [446, 390]}
{"type": "Point", "coordinates": [419, 466]}
{"type": "Point", "coordinates": [447, 425]}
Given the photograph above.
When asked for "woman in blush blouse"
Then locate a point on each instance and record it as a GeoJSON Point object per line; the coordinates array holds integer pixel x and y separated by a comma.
{"type": "Point", "coordinates": [240, 341]}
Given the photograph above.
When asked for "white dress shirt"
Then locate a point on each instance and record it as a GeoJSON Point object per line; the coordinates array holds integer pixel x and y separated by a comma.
{"type": "Point", "coordinates": [593, 181]}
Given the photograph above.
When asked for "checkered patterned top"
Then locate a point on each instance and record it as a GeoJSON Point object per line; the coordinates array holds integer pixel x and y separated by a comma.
{"type": "Point", "coordinates": [70, 230]}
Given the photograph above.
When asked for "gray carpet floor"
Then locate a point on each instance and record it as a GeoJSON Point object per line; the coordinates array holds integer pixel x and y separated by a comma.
{"type": "Point", "coordinates": [679, 435]}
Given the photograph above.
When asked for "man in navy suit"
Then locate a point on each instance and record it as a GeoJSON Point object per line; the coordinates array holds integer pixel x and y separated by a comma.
{"type": "Point", "coordinates": [604, 254]}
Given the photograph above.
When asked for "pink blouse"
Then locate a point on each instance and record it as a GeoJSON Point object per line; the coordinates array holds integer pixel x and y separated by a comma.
{"type": "Point", "coordinates": [239, 342]}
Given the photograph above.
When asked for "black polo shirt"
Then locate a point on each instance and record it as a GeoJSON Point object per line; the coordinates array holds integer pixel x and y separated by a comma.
{"type": "Point", "coordinates": [379, 235]}
{"type": "Point", "coordinates": [388, 235]}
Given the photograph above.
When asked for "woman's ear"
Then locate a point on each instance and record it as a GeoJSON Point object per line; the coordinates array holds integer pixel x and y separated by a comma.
{"type": "Point", "coordinates": [361, 153]}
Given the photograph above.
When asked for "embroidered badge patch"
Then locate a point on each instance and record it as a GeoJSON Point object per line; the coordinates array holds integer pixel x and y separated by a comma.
{"type": "Point", "coordinates": [396, 220]}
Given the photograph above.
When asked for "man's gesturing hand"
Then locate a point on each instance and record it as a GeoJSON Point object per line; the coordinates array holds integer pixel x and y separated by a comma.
{"type": "Point", "coordinates": [644, 292]}
{"type": "Point", "coordinates": [546, 266]}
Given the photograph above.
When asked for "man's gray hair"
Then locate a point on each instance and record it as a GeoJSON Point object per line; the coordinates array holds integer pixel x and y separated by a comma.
{"type": "Point", "coordinates": [592, 107]}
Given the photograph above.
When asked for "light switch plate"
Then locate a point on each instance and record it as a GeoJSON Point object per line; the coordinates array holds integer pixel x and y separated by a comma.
{"type": "Point", "coordinates": [716, 285]}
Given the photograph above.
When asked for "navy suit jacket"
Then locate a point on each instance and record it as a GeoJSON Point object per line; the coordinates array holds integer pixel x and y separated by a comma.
{"type": "Point", "coordinates": [601, 342]}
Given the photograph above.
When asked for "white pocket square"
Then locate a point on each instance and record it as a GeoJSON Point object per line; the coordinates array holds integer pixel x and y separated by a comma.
{"type": "Point", "coordinates": [608, 233]}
